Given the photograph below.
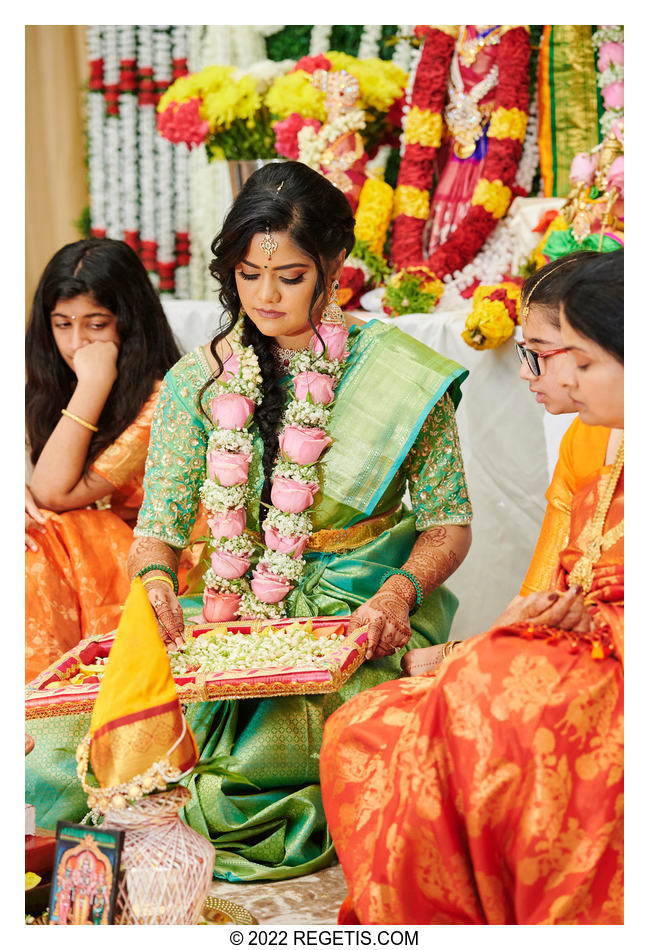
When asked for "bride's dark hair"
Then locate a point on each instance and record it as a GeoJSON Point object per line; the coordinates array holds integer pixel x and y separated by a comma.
{"type": "Point", "coordinates": [287, 197]}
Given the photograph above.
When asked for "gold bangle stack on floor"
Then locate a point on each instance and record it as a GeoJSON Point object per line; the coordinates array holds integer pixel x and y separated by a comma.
{"type": "Point", "coordinates": [492, 791]}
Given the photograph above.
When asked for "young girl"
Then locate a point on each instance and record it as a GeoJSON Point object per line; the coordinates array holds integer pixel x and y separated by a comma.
{"type": "Point", "coordinates": [97, 346]}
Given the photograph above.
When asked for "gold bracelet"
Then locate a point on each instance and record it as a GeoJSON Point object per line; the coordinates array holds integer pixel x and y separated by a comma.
{"type": "Point", "coordinates": [158, 577]}
{"type": "Point", "coordinates": [82, 422]}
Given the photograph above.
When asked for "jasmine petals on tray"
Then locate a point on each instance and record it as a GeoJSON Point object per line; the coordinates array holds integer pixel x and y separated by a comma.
{"type": "Point", "coordinates": [216, 652]}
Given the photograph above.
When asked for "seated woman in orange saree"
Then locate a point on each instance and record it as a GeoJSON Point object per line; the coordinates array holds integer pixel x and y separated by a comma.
{"type": "Point", "coordinates": [491, 790]}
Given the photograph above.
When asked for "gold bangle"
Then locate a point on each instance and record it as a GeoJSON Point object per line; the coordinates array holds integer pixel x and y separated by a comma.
{"type": "Point", "coordinates": [158, 577]}
{"type": "Point", "coordinates": [82, 422]}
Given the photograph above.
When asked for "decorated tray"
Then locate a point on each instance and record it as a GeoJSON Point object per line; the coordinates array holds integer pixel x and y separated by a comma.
{"type": "Point", "coordinates": [72, 683]}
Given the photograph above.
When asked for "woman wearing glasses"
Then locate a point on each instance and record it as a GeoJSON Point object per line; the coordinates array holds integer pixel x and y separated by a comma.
{"type": "Point", "coordinates": [491, 791]}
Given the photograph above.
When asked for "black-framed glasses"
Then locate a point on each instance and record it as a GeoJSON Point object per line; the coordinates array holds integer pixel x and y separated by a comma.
{"type": "Point", "coordinates": [532, 357]}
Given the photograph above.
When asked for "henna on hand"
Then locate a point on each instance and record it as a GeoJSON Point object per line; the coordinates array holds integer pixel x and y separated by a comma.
{"type": "Point", "coordinates": [145, 551]}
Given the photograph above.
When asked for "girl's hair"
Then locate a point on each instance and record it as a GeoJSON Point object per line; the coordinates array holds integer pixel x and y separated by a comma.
{"type": "Point", "coordinates": [593, 301]}
{"type": "Point", "coordinates": [112, 274]}
{"type": "Point", "coordinates": [287, 197]}
{"type": "Point", "coordinates": [544, 288]}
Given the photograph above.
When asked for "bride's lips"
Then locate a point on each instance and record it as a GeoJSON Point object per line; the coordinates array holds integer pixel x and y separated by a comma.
{"type": "Point", "coordinates": [271, 314]}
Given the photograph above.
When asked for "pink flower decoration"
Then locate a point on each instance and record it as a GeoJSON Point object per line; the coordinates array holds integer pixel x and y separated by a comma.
{"type": "Point", "coordinates": [613, 95]}
{"type": "Point", "coordinates": [292, 544]}
{"type": "Point", "coordinates": [228, 524]}
{"type": "Point", "coordinates": [610, 53]}
{"type": "Point", "coordinates": [615, 177]}
{"type": "Point", "coordinates": [229, 565]}
{"type": "Point", "coordinates": [228, 468]}
{"type": "Point", "coordinates": [231, 411]}
{"type": "Point", "coordinates": [286, 134]}
{"type": "Point", "coordinates": [292, 496]}
{"type": "Point", "coordinates": [334, 336]}
{"type": "Point", "coordinates": [271, 588]}
{"type": "Point", "coordinates": [310, 63]}
{"type": "Point", "coordinates": [218, 608]}
{"type": "Point", "coordinates": [182, 123]}
{"type": "Point", "coordinates": [583, 168]}
{"type": "Point", "coordinates": [303, 444]}
{"type": "Point", "coordinates": [230, 367]}
{"type": "Point", "coordinates": [319, 385]}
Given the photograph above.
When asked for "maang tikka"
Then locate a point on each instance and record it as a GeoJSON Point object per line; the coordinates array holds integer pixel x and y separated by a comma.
{"type": "Point", "coordinates": [268, 244]}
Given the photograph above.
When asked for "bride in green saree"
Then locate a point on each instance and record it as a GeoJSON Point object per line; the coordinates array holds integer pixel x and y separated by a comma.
{"type": "Point", "coordinates": [390, 429]}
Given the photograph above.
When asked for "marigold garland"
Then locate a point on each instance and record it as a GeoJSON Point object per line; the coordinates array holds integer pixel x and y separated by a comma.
{"type": "Point", "coordinates": [494, 314]}
{"type": "Point", "coordinates": [506, 133]}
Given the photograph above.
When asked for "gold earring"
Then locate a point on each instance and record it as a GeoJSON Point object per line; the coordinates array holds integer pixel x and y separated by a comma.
{"type": "Point", "coordinates": [332, 313]}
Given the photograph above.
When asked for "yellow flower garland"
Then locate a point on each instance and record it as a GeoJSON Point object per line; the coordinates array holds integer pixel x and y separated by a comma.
{"type": "Point", "coordinates": [423, 127]}
{"type": "Point", "coordinates": [373, 214]}
{"type": "Point", "coordinates": [489, 324]}
{"type": "Point", "coordinates": [412, 201]}
{"type": "Point", "coordinates": [493, 196]}
{"type": "Point", "coordinates": [508, 124]}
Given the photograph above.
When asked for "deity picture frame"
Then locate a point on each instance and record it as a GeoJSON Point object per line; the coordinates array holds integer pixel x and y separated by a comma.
{"type": "Point", "coordinates": [85, 874]}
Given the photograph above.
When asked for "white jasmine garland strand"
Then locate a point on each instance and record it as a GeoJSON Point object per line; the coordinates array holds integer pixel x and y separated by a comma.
{"type": "Point", "coordinates": [251, 606]}
{"type": "Point", "coordinates": [530, 155]}
{"type": "Point", "coordinates": [112, 137]}
{"type": "Point", "coordinates": [128, 137]}
{"type": "Point", "coordinates": [415, 57]}
{"type": "Point", "coordinates": [164, 176]}
{"type": "Point", "coordinates": [96, 116]}
{"type": "Point", "coordinates": [248, 46]}
{"type": "Point", "coordinates": [146, 137]}
{"type": "Point", "coordinates": [369, 45]}
{"type": "Point", "coordinates": [179, 50]}
{"type": "Point", "coordinates": [404, 50]}
{"type": "Point", "coordinates": [319, 42]}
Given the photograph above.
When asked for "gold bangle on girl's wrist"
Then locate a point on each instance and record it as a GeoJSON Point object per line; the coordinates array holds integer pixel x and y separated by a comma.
{"type": "Point", "coordinates": [156, 578]}
{"type": "Point", "coordinates": [82, 422]}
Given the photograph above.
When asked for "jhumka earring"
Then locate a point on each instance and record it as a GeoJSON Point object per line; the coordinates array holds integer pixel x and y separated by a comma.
{"type": "Point", "coordinates": [332, 312]}
{"type": "Point", "coordinates": [268, 244]}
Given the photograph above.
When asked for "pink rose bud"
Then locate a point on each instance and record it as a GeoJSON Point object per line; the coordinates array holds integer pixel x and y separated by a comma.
{"type": "Point", "coordinates": [229, 565]}
{"type": "Point", "coordinates": [219, 608]}
{"type": "Point", "coordinates": [228, 468]}
{"type": "Point", "coordinates": [303, 444]}
{"type": "Point", "coordinates": [293, 544]}
{"type": "Point", "coordinates": [319, 385]}
{"type": "Point", "coordinates": [228, 524]}
{"type": "Point", "coordinates": [292, 496]}
{"type": "Point", "coordinates": [615, 177]}
{"type": "Point", "coordinates": [613, 95]}
{"type": "Point", "coordinates": [231, 367]}
{"type": "Point", "coordinates": [334, 336]}
{"type": "Point", "coordinates": [583, 168]}
{"type": "Point", "coordinates": [610, 54]}
{"type": "Point", "coordinates": [231, 411]}
{"type": "Point", "coordinates": [269, 587]}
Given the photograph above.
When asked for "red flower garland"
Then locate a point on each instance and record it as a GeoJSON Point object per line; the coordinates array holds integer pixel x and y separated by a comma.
{"type": "Point", "coordinates": [501, 163]}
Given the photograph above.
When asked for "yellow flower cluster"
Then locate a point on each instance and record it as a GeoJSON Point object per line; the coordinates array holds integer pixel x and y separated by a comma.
{"type": "Point", "coordinates": [373, 214]}
{"type": "Point", "coordinates": [196, 85]}
{"type": "Point", "coordinates": [558, 224]}
{"type": "Point", "coordinates": [380, 81]}
{"type": "Point", "coordinates": [508, 124]}
{"type": "Point", "coordinates": [415, 202]}
{"type": "Point", "coordinates": [489, 323]}
{"type": "Point", "coordinates": [296, 93]}
{"type": "Point", "coordinates": [493, 196]}
{"type": "Point", "coordinates": [234, 100]}
{"type": "Point", "coordinates": [423, 127]}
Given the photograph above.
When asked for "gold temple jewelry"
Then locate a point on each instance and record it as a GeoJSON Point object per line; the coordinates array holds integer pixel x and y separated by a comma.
{"type": "Point", "coordinates": [268, 244]}
{"type": "Point", "coordinates": [582, 572]}
{"type": "Point", "coordinates": [156, 578]}
{"type": "Point", "coordinates": [525, 309]}
{"type": "Point", "coordinates": [82, 422]}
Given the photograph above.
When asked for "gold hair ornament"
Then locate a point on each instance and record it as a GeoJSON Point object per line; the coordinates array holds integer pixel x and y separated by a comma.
{"type": "Point", "coordinates": [525, 309]}
{"type": "Point", "coordinates": [268, 244]}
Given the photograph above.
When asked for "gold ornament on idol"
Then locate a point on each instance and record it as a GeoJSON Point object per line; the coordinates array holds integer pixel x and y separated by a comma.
{"type": "Point", "coordinates": [582, 572]}
{"type": "Point", "coordinates": [268, 244]}
{"type": "Point", "coordinates": [332, 312]}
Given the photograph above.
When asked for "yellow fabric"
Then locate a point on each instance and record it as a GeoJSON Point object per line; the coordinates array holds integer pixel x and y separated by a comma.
{"type": "Point", "coordinates": [582, 452]}
{"type": "Point", "coordinates": [137, 719]}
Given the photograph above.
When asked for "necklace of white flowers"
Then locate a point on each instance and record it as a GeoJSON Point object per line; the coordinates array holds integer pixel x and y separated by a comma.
{"type": "Point", "coordinates": [295, 481]}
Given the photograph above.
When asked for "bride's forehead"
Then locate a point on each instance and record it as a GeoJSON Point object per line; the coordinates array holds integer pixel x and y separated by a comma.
{"type": "Point", "coordinates": [273, 247]}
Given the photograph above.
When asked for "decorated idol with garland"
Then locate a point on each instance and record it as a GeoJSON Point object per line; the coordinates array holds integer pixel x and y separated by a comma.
{"type": "Point", "coordinates": [299, 430]}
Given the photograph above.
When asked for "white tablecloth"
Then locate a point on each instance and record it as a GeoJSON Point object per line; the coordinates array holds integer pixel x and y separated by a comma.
{"type": "Point", "coordinates": [509, 446]}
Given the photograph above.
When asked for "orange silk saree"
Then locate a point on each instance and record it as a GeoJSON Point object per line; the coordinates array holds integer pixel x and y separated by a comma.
{"type": "Point", "coordinates": [491, 791]}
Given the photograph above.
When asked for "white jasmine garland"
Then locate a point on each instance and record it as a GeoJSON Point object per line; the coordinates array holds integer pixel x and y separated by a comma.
{"type": "Point", "coordinates": [283, 565]}
{"type": "Point", "coordinates": [614, 72]}
{"type": "Point", "coordinates": [608, 34]}
{"type": "Point", "coordinates": [312, 144]}
{"type": "Point", "coordinates": [369, 44]}
{"type": "Point", "coordinates": [251, 606]}
{"type": "Point", "coordinates": [319, 39]}
{"type": "Point", "coordinates": [403, 51]}
{"type": "Point", "coordinates": [220, 498]}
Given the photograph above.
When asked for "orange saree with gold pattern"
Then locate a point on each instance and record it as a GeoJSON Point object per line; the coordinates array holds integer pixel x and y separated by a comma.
{"type": "Point", "coordinates": [491, 791]}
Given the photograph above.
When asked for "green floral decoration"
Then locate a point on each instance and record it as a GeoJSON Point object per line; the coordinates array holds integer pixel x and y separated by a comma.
{"type": "Point", "coordinates": [375, 264]}
{"type": "Point", "coordinates": [346, 39]}
{"type": "Point", "coordinates": [292, 42]}
{"type": "Point", "coordinates": [244, 140]}
{"type": "Point", "coordinates": [386, 48]}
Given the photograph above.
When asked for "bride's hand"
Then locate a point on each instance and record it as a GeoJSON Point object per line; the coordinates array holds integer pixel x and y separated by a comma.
{"type": "Point", "coordinates": [387, 616]}
{"type": "Point", "coordinates": [169, 615]}
{"type": "Point", "coordinates": [565, 610]}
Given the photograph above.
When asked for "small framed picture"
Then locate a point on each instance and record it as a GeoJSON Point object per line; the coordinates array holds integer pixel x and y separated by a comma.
{"type": "Point", "coordinates": [84, 877]}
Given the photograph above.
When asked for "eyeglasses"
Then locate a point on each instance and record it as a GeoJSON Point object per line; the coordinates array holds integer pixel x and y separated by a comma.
{"type": "Point", "coordinates": [532, 356]}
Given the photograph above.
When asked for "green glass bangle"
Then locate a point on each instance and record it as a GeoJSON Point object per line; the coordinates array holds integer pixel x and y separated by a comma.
{"type": "Point", "coordinates": [164, 569]}
{"type": "Point", "coordinates": [413, 580]}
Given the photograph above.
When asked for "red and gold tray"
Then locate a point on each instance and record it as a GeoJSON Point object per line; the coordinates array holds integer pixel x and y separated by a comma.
{"type": "Point", "coordinates": [52, 694]}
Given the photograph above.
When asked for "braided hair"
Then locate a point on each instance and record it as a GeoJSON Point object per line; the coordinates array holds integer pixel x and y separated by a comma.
{"type": "Point", "coordinates": [285, 197]}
